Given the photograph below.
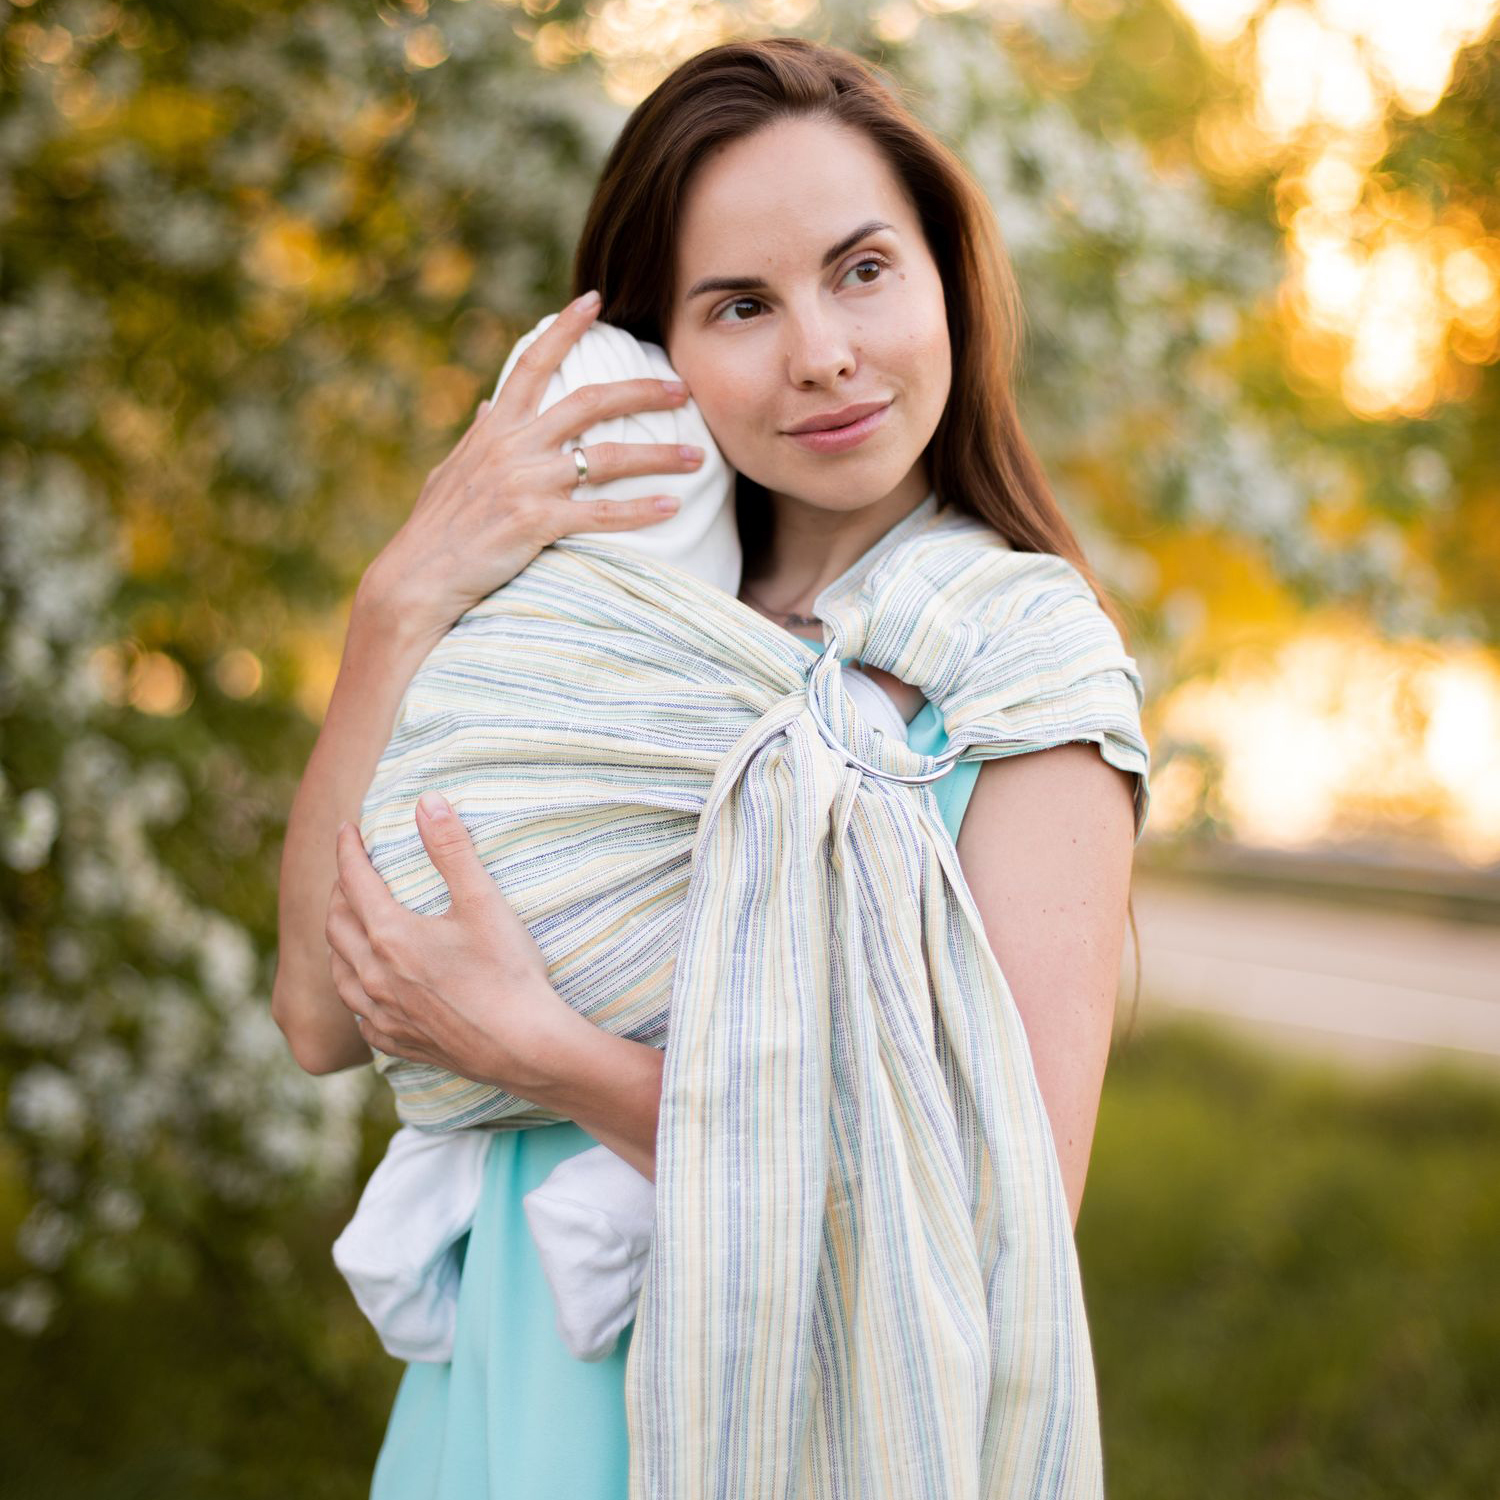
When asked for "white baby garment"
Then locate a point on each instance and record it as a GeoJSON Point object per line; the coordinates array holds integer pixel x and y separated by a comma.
{"type": "Point", "coordinates": [591, 1220]}
{"type": "Point", "coordinates": [399, 1253]}
{"type": "Point", "coordinates": [592, 1217]}
{"type": "Point", "coordinates": [702, 535]}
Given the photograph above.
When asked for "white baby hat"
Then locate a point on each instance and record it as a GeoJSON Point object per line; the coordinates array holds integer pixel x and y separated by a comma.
{"type": "Point", "coordinates": [702, 536]}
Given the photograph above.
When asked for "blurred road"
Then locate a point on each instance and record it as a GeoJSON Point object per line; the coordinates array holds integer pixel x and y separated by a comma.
{"type": "Point", "coordinates": [1368, 986]}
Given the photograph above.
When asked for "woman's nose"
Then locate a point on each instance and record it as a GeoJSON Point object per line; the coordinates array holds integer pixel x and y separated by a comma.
{"type": "Point", "coordinates": [818, 351]}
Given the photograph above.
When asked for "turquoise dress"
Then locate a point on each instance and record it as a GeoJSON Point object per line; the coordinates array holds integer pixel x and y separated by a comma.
{"type": "Point", "coordinates": [514, 1415]}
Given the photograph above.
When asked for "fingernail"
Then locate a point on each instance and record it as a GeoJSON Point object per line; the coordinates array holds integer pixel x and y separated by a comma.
{"type": "Point", "coordinates": [666, 502]}
{"type": "Point", "coordinates": [342, 827]}
{"type": "Point", "coordinates": [675, 387]}
{"type": "Point", "coordinates": [434, 804]}
{"type": "Point", "coordinates": [690, 450]}
{"type": "Point", "coordinates": [589, 300]}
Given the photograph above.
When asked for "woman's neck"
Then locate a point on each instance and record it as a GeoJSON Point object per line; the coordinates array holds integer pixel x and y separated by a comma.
{"type": "Point", "coordinates": [810, 547]}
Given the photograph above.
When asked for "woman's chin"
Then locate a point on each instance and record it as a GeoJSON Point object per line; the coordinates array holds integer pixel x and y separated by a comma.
{"type": "Point", "coordinates": [827, 483]}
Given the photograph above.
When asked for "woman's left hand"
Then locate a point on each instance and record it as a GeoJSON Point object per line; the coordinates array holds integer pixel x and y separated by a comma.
{"type": "Point", "coordinates": [467, 990]}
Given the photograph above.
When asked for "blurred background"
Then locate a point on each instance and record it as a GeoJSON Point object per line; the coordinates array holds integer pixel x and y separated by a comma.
{"type": "Point", "coordinates": [259, 263]}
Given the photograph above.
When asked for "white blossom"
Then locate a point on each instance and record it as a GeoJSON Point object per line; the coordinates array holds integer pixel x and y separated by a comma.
{"type": "Point", "coordinates": [28, 1306]}
{"type": "Point", "coordinates": [46, 1101]}
{"type": "Point", "coordinates": [45, 1236]}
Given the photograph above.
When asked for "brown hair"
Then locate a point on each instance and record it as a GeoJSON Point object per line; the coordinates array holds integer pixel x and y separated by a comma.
{"type": "Point", "coordinates": [978, 460]}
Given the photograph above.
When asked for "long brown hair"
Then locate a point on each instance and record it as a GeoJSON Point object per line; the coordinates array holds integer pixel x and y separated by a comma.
{"type": "Point", "coordinates": [978, 460]}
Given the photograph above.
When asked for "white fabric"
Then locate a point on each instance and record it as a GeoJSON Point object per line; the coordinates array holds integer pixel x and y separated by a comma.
{"type": "Point", "coordinates": [592, 1220]}
{"type": "Point", "coordinates": [874, 703]}
{"type": "Point", "coordinates": [399, 1252]}
{"type": "Point", "coordinates": [703, 535]}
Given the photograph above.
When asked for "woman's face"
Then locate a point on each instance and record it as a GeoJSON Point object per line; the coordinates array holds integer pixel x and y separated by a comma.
{"type": "Point", "coordinates": [783, 332]}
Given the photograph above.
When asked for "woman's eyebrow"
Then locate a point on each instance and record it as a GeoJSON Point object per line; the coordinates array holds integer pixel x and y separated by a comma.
{"type": "Point", "coordinates": [756, 284]}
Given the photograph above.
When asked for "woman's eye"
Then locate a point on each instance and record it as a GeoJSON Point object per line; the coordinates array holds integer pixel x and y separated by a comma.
{"type": "Point", "coordinates": [738, 302]}
{"type": "Point", "coordinates": [867, 260]}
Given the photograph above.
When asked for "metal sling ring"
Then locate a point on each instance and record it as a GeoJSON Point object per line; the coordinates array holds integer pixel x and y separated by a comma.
{"type": "Point", "coordinates": [915, 778]}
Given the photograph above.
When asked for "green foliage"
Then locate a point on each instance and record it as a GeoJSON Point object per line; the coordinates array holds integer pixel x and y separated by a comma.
{"type": "Point", "coordinates": [235, 1388]}
{"type": "Point", "coordinates": [1287, 1273]}
{"type": "Point", "coordinates": [256, 269]}
{"type": "Point", "coordinates": [1448, 156]}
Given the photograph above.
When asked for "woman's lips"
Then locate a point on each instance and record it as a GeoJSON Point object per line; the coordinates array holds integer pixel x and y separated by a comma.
{"type": "Point", "coordinates": [837, 439]}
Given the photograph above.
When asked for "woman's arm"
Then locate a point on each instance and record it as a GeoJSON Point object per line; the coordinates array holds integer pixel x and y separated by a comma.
{"type": "Point", "coordinates": [612, 1088]}
{"type": "Point", "coordinates": [382, 651]}
{"type": "Point", "coordinates": [1046, 846]}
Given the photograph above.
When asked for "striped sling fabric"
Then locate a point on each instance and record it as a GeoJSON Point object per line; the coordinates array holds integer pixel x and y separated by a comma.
{"type": "Point", "coordinates": [863, 1282]}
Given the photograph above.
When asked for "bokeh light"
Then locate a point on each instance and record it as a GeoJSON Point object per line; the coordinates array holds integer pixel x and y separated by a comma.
{"type": "Point", "coordinates": [1388, 303]}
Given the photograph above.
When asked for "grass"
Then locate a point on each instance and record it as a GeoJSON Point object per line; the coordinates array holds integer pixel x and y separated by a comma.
{"type": "Point", "coordinates": [1289, 1274]}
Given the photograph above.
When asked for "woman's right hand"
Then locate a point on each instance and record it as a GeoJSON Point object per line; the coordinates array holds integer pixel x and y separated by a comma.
{"type": "Point", "coordinates": [504, 492]}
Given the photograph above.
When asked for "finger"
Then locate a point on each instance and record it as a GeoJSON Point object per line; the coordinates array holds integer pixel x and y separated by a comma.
{"type": "Point", "coordinates": [568, 516]}
{"type": "Point", "coordinates": [521, 393]}
{"type": "Point", "coordinates": [362, 1007]}
{"type": "Point", "coordinates": [581, 409]}
{"type": "Point", "coordinates": [345, 936]}
{"type": "Point", "coordinates": [337, 900]}
{"type": "Point", "coordinates": [452, 850]}
{"type": "Point", "coordinates": [348, 988]}
{"type": "Point", "coordinates": [477, 421]}
{"type": "Point", "coordinates": [610, 461]}
{"type": "Point", "coordinates": [376, 1038]}
{"type": "Point", "coordinates": [364, 890]}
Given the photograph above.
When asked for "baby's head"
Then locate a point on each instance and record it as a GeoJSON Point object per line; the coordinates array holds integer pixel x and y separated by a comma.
{"type": "Point", "coordinates": [701, 537]}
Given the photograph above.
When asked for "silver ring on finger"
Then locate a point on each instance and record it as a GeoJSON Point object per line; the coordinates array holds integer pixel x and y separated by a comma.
{"type": "Point", "coordinates": [580, 458]}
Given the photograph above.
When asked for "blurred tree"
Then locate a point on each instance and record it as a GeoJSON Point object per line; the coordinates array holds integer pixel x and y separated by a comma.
{"type": "Point", "coordinates": [1163, 382]}
{"type": "Point", "coordinates": [1451, 463]}
{"type": "Point", "coordinates": [258, 262]}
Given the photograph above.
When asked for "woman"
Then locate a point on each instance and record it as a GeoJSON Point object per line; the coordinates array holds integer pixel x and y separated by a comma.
{"type": "Point", "coordinates": [777, 179]}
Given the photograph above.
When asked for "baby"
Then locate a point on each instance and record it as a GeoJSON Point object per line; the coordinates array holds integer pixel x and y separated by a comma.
{"type": "Point", "coordinates": [592, 1217]}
